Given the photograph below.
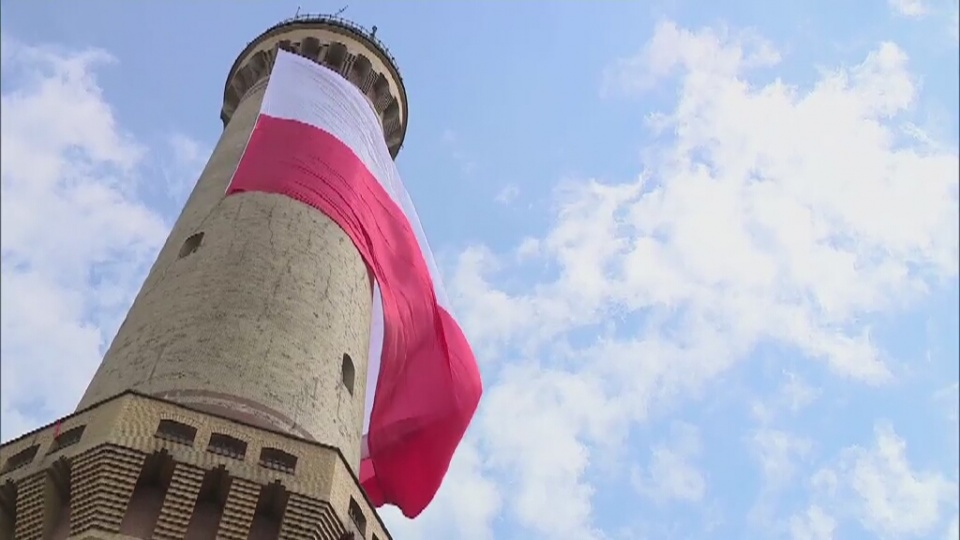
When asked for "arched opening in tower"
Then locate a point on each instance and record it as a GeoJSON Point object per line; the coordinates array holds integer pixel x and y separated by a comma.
{"type": "Point", "coordinates": [210, 504]}
{"type": "Point", "coordinates": [57, 504]}
{"type": "Point", "coordinates": [348, 372]}
{"type": "Point", "coordinates": [268, 516]}
{"type": "Point", "coordinates": [8, 510]}
{"type": "Point", "coordinates": [145, 505]}
{"type": "Point", "coordinates": [191, 245]}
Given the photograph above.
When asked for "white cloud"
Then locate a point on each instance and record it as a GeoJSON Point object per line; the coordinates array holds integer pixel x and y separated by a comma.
{"type": "Point", "coordinates": [797, 394]}
{"type": "Point", "coordinates": [797, 205]}
{"type": "Point", "coordinates": [715, 52]}
{"type": "Point", "coordinates": [949, 398]}
{"type": "Point", "coordinates": [883, 491]}
{"type": "Point", "coordinates": [812, 524]}
{"type": "Point", "coordinates": [448, 136]}
{"type": "Point", "coordinates": [76, 238]}
{"type": "Point", "coordinates": [535, 426]}
{"type": "Point", "coordinates": [451, 139]}
{"type": "Point", "coordinates": [909, 8]}
{"type": "Point", "coordinates": [933, 10]}
{"type": "Point", "coordinates": [672, 475]}
{"type": "Point", "coordinates": [188, 157]}
{"type": "Point", "coordinates": [793, 395]}
{"type": "Point", "coordinates": [953, 531]}
{"type": "Point", "coordinates": [779, 453]}
{"type": "Point", "coordinates": [508, 194]}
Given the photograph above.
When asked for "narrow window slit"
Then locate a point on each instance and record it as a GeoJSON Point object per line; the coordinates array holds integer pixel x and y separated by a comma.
{"type": "Point", "coordinates": [191, 244]}
{"type": "Point", "coordinates": [348, 372]}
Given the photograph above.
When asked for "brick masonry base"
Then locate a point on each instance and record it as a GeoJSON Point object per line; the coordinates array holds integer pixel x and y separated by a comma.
{"type": "Point", "coordinates": [84, 478]}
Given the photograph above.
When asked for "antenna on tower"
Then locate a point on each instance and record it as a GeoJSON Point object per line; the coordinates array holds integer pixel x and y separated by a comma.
{"type": "Point", "coordinates": [344, 8]}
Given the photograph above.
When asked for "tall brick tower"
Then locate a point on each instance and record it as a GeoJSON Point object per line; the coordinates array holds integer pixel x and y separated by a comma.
{"type": "Point", "coordinates": [230, 404]}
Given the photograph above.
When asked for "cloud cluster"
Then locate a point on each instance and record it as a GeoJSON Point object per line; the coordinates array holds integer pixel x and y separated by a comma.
{"type": "Point", "coordinates": [768, 212]}
{"type": "Point", "coordinates": [879, 487]}
{"type": "Point", "coordinates": [812, 524]}
{"type": "Point", "coordinates": [672, 474]}
{"type": "Point", "coordinates": [76, 234]}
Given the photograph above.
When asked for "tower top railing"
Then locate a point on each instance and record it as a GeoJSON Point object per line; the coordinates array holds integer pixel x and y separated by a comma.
{"type": "Point", "coordinates": [347, 24]}
{"type": "Point", "coordinates": [366, 38]}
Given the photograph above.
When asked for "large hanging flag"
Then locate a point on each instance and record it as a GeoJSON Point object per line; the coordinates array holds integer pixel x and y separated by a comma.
{"type": "Point", "coordinates": [318, 140]}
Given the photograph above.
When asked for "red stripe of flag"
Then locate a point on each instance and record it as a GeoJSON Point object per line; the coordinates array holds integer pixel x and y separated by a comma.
{"type": "Point", "coordinates": [429, 384]}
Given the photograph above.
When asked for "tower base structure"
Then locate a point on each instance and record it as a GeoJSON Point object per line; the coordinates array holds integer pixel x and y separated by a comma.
{"type": "Point", "coordinates": [140, 467]}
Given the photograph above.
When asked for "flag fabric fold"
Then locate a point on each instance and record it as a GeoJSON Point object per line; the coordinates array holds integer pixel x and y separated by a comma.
{"type": "Point", "coordinates": [318, 140]}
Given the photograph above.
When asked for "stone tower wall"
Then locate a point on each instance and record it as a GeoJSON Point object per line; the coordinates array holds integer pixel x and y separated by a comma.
{"type": "Point", "coordinates": [256, 302]}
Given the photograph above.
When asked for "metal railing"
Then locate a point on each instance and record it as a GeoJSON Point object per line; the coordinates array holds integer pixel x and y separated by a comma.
{"type": "Point", "coordinates": [353, 27]}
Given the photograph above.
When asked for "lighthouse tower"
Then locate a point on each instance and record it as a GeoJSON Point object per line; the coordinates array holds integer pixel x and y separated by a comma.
{"type": "Point", "coordinates": [230, 404]}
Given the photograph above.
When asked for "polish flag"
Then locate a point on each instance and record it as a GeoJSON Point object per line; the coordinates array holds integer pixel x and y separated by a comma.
{"type": "Point", "coordinates": [319, 141]}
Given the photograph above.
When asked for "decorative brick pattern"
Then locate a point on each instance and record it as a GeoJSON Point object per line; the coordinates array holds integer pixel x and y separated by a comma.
{"type": "Point", "coordinates": [239, 510]}
{"type": "Point", "coordinates": [178, 503]}
{"type": "Point", "coordinates": [30, 514]}
{"type": "Point", "coordinates": [309, 518]}
{"type": "Point", "coordinates": [100, 488]}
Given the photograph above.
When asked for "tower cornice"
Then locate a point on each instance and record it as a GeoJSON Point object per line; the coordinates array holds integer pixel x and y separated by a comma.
{"type": "Point", "coordinates": [341, 45]}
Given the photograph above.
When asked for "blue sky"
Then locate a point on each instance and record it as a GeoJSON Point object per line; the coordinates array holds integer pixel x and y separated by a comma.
{"type": "Point", "coordinates": [707, 253]}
